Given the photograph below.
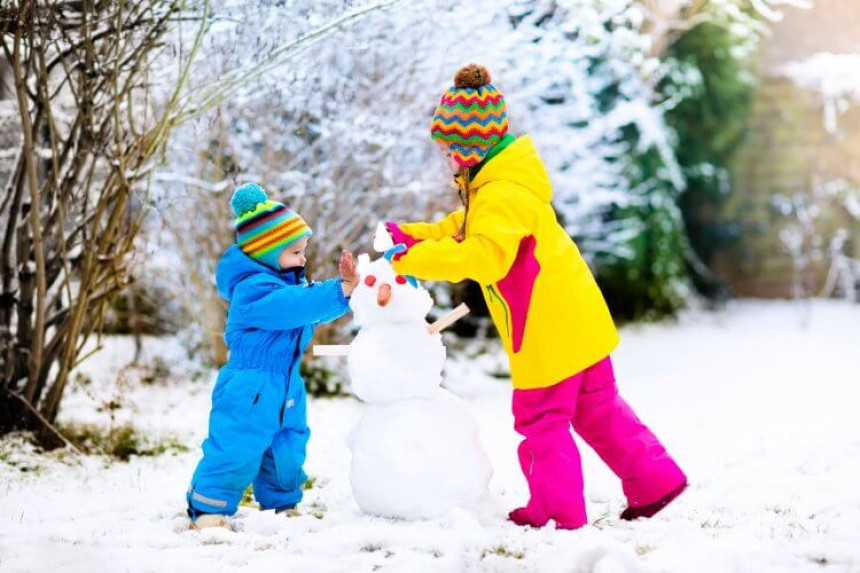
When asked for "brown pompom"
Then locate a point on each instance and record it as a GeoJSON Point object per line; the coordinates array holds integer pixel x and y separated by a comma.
{"type": "Point", "coordinates": [472, 76]}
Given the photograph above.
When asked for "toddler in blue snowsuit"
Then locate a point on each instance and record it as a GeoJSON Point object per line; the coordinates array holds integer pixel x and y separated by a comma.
{"type": "Point", "coordinates": [258, 425]}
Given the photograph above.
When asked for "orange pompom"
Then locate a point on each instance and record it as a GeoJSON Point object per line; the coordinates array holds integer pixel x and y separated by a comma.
{"type": "Point", "coordinates": [472, 76]}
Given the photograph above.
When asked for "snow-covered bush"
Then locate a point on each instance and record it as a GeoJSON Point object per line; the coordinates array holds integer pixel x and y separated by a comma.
{"type": "Point", "coordinates": [713, 86]}
{"type": "Point", "coordinates": [814, 234]}
{"type": "Point", "coordinates": [822, 225]}
{"type": "Point", "coordinates": [609, 149]}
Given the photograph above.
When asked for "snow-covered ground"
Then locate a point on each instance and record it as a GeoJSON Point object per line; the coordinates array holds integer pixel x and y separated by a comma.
{"type": "Point", "coordinates": [758, 403]}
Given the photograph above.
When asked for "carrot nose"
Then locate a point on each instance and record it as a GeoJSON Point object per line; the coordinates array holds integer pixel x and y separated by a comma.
{"type": "Point", "coordinates": [383, 296]}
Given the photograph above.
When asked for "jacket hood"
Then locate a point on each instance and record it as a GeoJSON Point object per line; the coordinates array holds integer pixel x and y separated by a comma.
{"type": "Point", "coordinates": [518, 163]}
{"type": "Point", "coordinates": [235, 266]}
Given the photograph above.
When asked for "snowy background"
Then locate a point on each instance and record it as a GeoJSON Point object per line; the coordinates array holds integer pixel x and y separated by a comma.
{"type": "Point", "coordinates": [757, 403]}
{"type": "Point", "coordinates": [756, 400]}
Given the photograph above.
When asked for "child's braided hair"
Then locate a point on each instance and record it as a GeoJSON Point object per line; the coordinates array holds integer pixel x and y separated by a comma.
{"type": "Point", "coordinates": [471, 76]}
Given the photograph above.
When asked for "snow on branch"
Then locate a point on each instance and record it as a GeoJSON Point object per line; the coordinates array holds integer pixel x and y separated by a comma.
{"type": "Point", "coordinates": [184, 179]}
{"type": "Point", "coordinates": [219, 89]}
{"type": "Point", "coordinates": [666, 20]}
{"type": "Point", "coordinates": [769, 8]}
{"type": "Point", "coordinates": [835, 77]}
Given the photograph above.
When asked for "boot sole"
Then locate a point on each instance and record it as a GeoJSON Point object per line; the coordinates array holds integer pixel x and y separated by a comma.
{"type": "Point", "coordinates": [653, 509]}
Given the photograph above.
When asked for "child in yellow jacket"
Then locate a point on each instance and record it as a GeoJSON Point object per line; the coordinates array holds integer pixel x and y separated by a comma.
{"type": "Point", "coordinates": [546, 305]}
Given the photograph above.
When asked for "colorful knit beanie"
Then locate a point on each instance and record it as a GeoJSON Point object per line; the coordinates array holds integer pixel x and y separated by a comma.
{"type": "Point", "coordinates": [471, 118]}
{"type": "Point", "coordinates": [264, 228]}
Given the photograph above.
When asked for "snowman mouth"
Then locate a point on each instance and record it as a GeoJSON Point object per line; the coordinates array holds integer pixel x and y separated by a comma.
{"type": "Point", "coordinates": [383, 296]}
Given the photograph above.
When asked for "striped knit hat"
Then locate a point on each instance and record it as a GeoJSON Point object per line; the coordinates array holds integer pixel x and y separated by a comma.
{"type": "Point", "coordinates": [471, 118]}
{"type": "Point", "coordinates": [264, 228]}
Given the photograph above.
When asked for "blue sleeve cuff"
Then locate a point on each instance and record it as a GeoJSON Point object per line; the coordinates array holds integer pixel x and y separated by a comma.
{"type": "Point", "coordinates": [342, 298]}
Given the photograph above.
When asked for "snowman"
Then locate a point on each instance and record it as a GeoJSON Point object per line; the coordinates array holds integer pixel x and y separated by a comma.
{"type": "Point", "coordinates": [415, 452]}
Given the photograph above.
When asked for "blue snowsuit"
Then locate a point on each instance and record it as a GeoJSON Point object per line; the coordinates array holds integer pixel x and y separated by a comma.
{"type": "Point", "coordinates": [258, 424]}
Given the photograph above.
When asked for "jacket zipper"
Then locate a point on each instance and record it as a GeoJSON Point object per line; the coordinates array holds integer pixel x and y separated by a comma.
{"type": "Point", "coordinates": [494, 296]}
{"type": "Point", "coordinates": [298, 276]}
{"type": "Point", "coordinates": [290, 374]}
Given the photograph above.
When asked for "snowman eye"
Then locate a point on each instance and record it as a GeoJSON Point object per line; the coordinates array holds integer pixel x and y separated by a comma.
{"type": "Point", "coordinates": [400, 279]}
{"type": "Point", "coordinates": [370, 280]}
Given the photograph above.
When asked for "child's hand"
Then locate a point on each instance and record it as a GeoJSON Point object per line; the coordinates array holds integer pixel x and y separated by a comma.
{"type": "Point", "coordinates": [398, 236]}
{"type": "Point", "coordinates": [348, 273]}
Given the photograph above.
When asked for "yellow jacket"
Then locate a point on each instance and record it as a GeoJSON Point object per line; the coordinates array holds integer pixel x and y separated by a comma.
{"type": "Point", "coordinates": [542, 296]}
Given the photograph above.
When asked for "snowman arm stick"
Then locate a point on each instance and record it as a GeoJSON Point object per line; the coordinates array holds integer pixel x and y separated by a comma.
{"type": "Point", "coordinates": [449, 319]}
{"type": "Point", "coordinates": [331, 349]}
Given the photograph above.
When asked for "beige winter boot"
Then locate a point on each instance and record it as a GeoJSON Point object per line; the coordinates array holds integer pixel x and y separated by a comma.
{"type": "Point", "coordinates": [208, 520]}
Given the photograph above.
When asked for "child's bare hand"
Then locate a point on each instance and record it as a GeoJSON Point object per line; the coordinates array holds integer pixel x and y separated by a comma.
{"type": "Point", "coordinates": [348, 272]}
{"type": "Point", "coordinates": [346, 267]}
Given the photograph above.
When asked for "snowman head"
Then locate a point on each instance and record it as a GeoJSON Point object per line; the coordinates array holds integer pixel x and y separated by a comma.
{"type": "Point", "coordinates": [383, 296]}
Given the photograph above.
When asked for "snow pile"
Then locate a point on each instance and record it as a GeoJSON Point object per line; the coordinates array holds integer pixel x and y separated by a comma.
{"type": "Point", "coordinates": [415, 452]}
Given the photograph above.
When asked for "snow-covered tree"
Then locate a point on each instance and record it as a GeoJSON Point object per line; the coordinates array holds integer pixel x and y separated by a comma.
{"type": "Point", "coordinates": [81, 143]}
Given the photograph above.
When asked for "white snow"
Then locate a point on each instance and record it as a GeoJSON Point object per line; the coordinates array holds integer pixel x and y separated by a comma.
{"type": "Point", "coordinates": [381, 239]}
{"type": "Point", "coordinates": [395, 363]}
{"type": "Point", "coordinates": [758, 403]}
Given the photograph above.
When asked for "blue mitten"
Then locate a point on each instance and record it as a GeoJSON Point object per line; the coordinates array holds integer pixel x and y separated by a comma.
{"type": "Point", "coordinates": [395, 253]}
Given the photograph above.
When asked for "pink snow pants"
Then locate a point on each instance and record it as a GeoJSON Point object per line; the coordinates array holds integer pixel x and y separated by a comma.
{"type": "Point", "coordinates": [550, 460]}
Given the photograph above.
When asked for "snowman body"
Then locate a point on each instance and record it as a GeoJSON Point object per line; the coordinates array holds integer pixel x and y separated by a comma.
{"type": "Point", "coordinates": [415, 452]}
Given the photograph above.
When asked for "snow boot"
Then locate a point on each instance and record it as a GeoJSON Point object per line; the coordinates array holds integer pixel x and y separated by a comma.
{"type": "Point", "coordinates": [209, 520]}
{"type": "Point", "coordinates": [652, 509]}
{"type": "Point", "coordinates": [521, 517]}
{"type": "Point", "coordinates": [289, 511]}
